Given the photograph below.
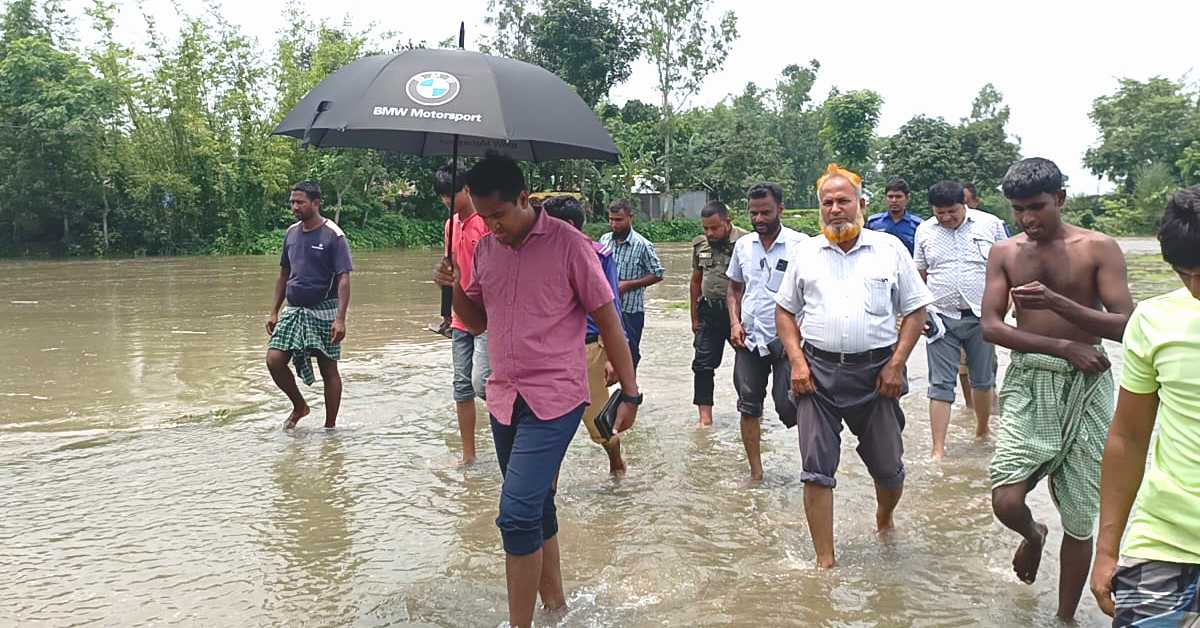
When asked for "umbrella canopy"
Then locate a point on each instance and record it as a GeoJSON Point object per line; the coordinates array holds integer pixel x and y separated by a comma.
{"type": "Point", "coordinates": [420, 101]}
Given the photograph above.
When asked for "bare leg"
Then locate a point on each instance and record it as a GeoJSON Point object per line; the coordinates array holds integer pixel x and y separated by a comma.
{"type": "Point", "coordinates": [524, 574]}
{"type": "Point", "coordinates": [886, 500]}
{"type": "Point", "coordinates": [1076, 558]}
{"type": "Point", "coordinates": [332, 381]}
{"type": "Point", "coordinates": [706, 418]}
{"type": "Point", "coordinates": [550, 587]}
{"type": "Point", "coordinates": [751, 439]}
{"type": "Point", "coordinates": [466, 428]}
{"type": "Point", "coordinates": [939, 423]}
{"type": "Point", "coordinates": [616, 464]}
{"type": "Point", "coordinates": [818, 509]}
{"type": "Point", "coordinates": [277, 364]}
{"type": "Point", "coordinates": [983, 412]}
{"type": "Point", "coordinates": [1008, 502]}
{"type": "Point", "coordinates": [964, 381]}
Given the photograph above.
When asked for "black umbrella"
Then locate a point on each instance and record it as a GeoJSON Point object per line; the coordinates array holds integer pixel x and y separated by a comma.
{"type": "Point", "coordinates": [449, 102]}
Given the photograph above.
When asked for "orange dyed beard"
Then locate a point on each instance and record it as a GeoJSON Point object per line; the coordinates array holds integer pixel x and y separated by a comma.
{"type": "Point", "coordinates": [843, 234]}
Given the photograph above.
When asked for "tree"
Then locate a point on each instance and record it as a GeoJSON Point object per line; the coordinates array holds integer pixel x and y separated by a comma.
{"type": "Point", "coordinates": [923, 151]}
{"type": "Point", "coordinates": [685, 48]}
{"type": "Point", "coordinates": [849, 127]}
{"type": "Point", "coordinates": [588, 46]}
{"type": "Point", "coordinates": [513, 25]}
{"type": "Point", "coordinates": [983, 140]}
{"type": "Point", "coordinates": [797, 125]}
{"type": "Point", "coordinates": [1141, 124]}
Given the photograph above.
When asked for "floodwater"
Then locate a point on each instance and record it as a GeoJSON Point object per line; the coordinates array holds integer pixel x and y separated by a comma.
{"type": "Point", "coordinates": [145, 480]}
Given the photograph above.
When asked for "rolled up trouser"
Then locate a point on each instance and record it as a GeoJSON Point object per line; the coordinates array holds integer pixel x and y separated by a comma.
{"type": "Point", "coordinates": [709, 344]}
{"type": "Point", "coordinates": [597, 358]}
{"type": "Point", "coordinates": [530, 452]}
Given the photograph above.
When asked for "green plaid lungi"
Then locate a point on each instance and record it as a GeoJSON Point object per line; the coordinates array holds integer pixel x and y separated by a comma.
{"type": "Point", "coordinates": [1055, 423]}
{"type": "Point", "coordinates": [303, 331]}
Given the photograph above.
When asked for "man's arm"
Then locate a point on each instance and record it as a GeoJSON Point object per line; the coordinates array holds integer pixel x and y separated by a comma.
{"type": "Point", "coordinates": [641, 282]}
{"type": "Point", "coordinates": [1122, 468]}
{"type": "Point", "coordinates": [789, 334]}
{"type": "Point", "coordinates": [1114, 294]}
{"type": "Point", "coordinates": [733, 302]}
{"type": "Point", "coordinates": [277, 298]}
{"type": "Point", "coordinates": [616, 348]}
{"type": "Point", "coordinates": [654, 271]}
{"type": "Point", "coordinates": [693, 303]}
{"type": "Point", "coordinates": [337, 332]}
{"type": "Point", "coordinates": [470, 313]}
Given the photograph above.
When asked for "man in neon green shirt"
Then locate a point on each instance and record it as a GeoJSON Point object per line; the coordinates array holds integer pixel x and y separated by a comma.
{"type": "Point", "coordinates": [1156, 579]}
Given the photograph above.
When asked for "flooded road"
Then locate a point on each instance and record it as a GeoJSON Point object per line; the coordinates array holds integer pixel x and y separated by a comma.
{"type": "Point", "coordinates": [145, 480]}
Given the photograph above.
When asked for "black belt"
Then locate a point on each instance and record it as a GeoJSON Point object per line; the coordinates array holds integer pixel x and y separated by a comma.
{"type": "Point", "coordinates": [591, 339]}
{"type": "Point", "coordinates": [711, 302]}
{"type": "Point", "coordinates": [874, 355]}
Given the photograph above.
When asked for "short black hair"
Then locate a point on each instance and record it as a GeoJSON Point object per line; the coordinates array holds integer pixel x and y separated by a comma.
{"type": "Point", "coordinates": [496, 173]}
{"type": "Point", "coordinates": [945, 194]}
{"type": "Point", "coordinates": [444, 179]}
{"type": "Point", "coordinates": [1179, 233]}
{"type": "Point", "coordinates": [310, 188]}
{"type": "Point", "coordinates": [896, 184]}
{"type": "Point", "coordinates": [762, 190]}
{"type": "Point", "coordinates": [715, 208]}
{"type": "Point", "coordinates": [968, 186]}
{"type": "Point", "coordinates": [564, 207]}
{"type": "Point", "coordinates": [621, 206]}
{"type": "Point", "coordinates": [1032, 176]}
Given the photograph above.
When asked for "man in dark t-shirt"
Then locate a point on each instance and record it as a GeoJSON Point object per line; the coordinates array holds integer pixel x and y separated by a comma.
{"type": "Point", "coordinates": [314, 276]}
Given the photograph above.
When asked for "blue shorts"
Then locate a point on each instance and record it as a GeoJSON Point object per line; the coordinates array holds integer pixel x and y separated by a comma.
{"type": "Point", "coordinates": [1156, 594]}
{"type": "Point", "coordinates": [471, 368]}
{"type": "Point", "coordinates": [962, 335]}
{"type": "Point", "coordinates": [530, 451]}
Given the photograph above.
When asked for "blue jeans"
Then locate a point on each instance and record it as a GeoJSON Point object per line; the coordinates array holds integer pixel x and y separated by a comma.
{"type": "Point", "coordinates": [530, 451]}
{"type": "Point", "coordinates": [471, 368]}
{"type": "Point", "coordinates": [634, 322]}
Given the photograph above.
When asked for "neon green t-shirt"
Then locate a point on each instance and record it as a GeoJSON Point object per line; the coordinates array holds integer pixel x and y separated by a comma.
{"type": "Point", "coordinates": [1162, 355]}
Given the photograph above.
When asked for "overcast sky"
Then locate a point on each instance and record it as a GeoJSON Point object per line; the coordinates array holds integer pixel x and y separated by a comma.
{"type": "Point", "coordinates": [1050, 58]}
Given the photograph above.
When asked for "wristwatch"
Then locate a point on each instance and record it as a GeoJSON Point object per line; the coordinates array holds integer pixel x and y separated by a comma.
{"type": "Point", "coordinates": [637, 401]}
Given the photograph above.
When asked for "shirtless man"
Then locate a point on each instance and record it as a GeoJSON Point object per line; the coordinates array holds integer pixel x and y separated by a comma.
{"type": "Point", "coordinates": [1070, 292]}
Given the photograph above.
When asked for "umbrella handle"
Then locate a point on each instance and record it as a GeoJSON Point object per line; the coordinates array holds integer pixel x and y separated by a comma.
{"type": "Point", "coordinates": [448, 293]}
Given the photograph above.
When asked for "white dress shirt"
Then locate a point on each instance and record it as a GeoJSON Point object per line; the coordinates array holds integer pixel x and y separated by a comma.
{"type": "Point", "coordinates": [848, 301]}
{"type": "Point", "coordinates": [762, 273]}
{"type": "Point", "coordinates": [955, 260]}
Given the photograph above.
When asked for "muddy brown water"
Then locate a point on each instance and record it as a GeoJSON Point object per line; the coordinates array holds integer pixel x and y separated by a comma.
{"type": "Point", "coordinates": [144, 478]}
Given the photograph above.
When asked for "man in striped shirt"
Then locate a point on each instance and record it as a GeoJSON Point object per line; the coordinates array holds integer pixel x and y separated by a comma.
{"type": "Point", "coordinates": [638, 268]}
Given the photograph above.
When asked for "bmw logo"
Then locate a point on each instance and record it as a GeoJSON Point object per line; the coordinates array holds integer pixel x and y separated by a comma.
{"type": "Point", "coordinates": [432, 88]}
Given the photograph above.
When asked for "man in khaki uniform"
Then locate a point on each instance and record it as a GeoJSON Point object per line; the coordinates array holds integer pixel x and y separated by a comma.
{"type": "Point", "coordinates": [710, 315]}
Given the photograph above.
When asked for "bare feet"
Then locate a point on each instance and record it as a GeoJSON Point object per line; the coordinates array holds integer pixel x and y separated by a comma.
{"type": "Point", "coordinates": [983, 435]}
{"type": "Point", "coordinates": [936, 456]}
{"type": "Point", "coordinates": [826, 563]}
{"type": "Point", "coordinates": [617, 470]}
{"type": "Point", "coordinates": [752, 481]}
{"type": "Point", "coordinates": [295, 416]}
{"type": "Point", "coordinates": [466, 461]}
{"type": "Point", "coordinates": [705, 423]}
{"type": "Point", "coordinates": [1028, 558]}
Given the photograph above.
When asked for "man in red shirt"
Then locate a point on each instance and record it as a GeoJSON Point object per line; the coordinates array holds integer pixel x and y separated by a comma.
{"type": "Point", "coordinates": [465, 228]}
{"type": "Point", "coordinates": [536, 280]}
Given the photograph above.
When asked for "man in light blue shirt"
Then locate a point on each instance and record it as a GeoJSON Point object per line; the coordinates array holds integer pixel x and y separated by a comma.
{"type": "Point", "coordinates": [759, 260]}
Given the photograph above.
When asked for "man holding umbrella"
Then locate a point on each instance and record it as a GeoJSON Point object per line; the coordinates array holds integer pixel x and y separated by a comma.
{"type": "Point", "coordinates": [536, 279]}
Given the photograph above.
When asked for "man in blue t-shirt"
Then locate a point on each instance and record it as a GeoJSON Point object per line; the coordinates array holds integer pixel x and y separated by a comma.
{"type": "Point", "coordinates": [897, 220]}
{"type": "Point", "coordinates": [314, 276]}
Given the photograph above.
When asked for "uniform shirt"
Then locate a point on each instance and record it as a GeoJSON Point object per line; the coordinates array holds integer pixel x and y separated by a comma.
{"type": "Point", "coordinates": [537, 298]}
{"type": "Point", "coordinates": [906, 229]}
{"type": "Point", "coordinates": [1162, 351]}
{"type": "Point", "coordinates": [847, 302]}
{"type": "Point", "coordinates": [955, 260]}
{"type": "Point", "coordinates": [466, 237]}
{"type": "Point", "coordinates": [712, 262]}
{"type": "Point", "coordinates": [636, 258]}
{"type": "Point", "coordinates": [761, 271]}
{"type": "Point", "coordinates": [314, 260]}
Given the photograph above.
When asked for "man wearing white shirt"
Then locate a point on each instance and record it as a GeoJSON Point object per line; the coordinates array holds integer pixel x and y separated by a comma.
{"type": "Point", "coordinates": [841, 296]}
{"type": "Point", "coordinates": [951, 254]}
{"type": "Point", "coordinates": [756, 269]}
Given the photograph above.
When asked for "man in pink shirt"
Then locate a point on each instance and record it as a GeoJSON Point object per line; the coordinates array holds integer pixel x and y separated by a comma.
{"type": "Point", "coordinates": [469, 351]}
{"type": "Point", "coordinates": [535, 281]}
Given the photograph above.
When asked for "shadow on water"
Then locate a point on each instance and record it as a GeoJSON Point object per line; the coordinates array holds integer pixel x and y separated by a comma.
{"type": "Point", "coordinates": [146, 480]}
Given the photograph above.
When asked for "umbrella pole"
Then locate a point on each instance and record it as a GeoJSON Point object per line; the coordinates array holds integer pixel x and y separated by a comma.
{"type": "Point", "coordinates": [448, 292]}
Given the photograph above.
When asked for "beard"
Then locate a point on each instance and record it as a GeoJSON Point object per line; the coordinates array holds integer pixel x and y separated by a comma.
{"type": "Point", "coordinates": [844, 232]}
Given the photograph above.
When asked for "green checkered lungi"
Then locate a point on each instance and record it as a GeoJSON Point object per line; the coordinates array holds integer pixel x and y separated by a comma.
{"type": "Point", "coordinates": [302, 331]}
{"type": "Point", "coordinates": [1055, 423]}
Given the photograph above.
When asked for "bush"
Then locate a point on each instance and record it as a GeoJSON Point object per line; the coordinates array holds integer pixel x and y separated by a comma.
{"type": "Point", "coordinates": [382, 231]}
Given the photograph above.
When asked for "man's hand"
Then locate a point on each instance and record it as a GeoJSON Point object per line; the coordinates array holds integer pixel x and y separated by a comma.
{"type": "Point", "coordinates": [272, 322]}
{"type": "Point", "coordinates": [802, 382]}
{"type": "Point", "coordinates": [1086, 358]}
{"type": "Point", "coordinates": [1103, 571]}
{"type": "Point", "coordinates": [695, 326]}
{"type": "Point", "coordinates": [624, 286]}
{"type": "Point", "coordinates": [1035, 296]}
{"type": "Point", "coordinates": [445, 274]}
{"type": "Point", "coordinates": [737, 336]}
{"type": "Point", "coordinates": [337, 331]}
{"type": "Point", "coordinates": [891, 380]}
{"type": "Point", "coordinates": [626, 416]}
{"type": "Point", "coordinates": [610, 374]}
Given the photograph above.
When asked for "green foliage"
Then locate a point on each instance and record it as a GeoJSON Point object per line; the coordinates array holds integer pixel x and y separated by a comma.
{"type": "Point", "coordinates": [589, 46]}
{"type": "Point", "coordinates": [685, 229]}
{"type": "Point", "coordinates": [849, 128]}
{"type": "Point", "coordinates": [388, 231]}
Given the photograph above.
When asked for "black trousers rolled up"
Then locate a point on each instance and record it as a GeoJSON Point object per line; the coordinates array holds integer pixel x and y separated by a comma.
{"type": "Point", "coordinates": [710, 348]}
